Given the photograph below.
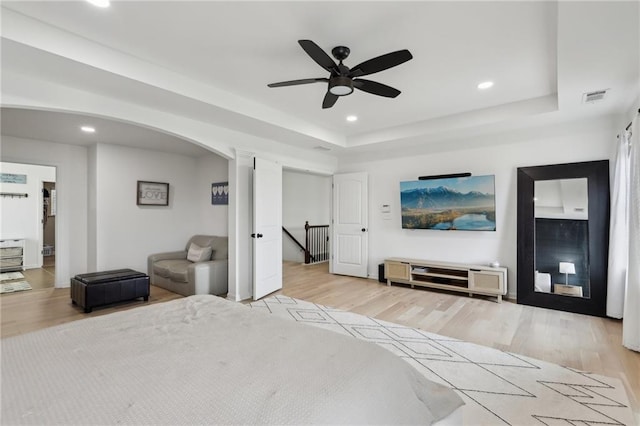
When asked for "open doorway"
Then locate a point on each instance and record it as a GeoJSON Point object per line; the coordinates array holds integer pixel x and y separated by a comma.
{"type": "Point", "coordinates": [306, 197]}
{"type": "Point", "coordinates": [28, 210]}
{"type": "Point", "coordinates": [49, 212]}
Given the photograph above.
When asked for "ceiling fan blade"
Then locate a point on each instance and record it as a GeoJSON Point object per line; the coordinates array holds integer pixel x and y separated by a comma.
{"type": "Point", "coordinates": [381, 63]}
{"type": "Point", "coordinates": [296, 82]}
{"type": "Point", "coordinates": [329, 100]}
{"type": "Point", "coordinates": [319, 55]}
{"type": "Point", "coordinates": [375, 88]}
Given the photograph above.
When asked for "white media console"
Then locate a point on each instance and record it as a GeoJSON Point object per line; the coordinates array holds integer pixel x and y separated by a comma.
{"type": "Point", "coordinates": [472, 279]}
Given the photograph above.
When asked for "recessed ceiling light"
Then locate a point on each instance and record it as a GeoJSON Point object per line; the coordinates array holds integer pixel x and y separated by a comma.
{"type": "Point", "coordinates": [100, 3]}
{"type": "Point", "coordinates": [88, 129]}
{"type": "Point", "coordinates": [485, 85]}
{"type": "Point", "coordinates": [352, 118]}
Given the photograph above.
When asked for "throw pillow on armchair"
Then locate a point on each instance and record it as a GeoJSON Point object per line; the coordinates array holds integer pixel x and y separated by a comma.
{"type": "Point", "coordinates": [199, 254]}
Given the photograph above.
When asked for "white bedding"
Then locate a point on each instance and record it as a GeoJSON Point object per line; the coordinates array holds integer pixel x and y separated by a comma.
{"type": "Point", "coordinates": [205, 360]}
{"type": "Point", "coordinates": [543, 282]}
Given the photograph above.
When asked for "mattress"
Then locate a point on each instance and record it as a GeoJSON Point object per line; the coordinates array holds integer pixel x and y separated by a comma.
{"type": "Point", "coordinates": [206, 360]}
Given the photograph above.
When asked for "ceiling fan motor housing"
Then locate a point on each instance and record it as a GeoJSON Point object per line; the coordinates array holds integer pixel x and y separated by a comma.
{"type": "Point", "coordinates": [340, 86]}
{"type": "Point", "coordinates": [340, 52]}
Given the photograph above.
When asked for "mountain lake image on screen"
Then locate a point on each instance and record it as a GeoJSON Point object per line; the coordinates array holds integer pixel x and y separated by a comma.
{"type": "Point", "coordinates": [448, 204]}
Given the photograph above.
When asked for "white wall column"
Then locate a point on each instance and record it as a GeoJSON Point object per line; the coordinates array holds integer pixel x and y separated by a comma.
{"type": "Point", "coordinates": [92, 209]}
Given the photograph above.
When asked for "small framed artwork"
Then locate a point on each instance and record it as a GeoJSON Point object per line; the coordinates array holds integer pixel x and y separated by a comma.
{"type": "Point", "coordinates": [220, 193]}
{"type": "Point", "coordinates": [152, 193]}
{"type": "Point", "coordinates": [12, 178]}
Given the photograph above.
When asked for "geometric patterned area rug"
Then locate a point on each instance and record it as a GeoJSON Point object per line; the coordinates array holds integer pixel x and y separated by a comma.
{"type": "Point", "coordinates": [6, 276]}
{"type": "Point", "coordinates": [14, 286]}
{"type": "Point", "coordinates": [497, 387]}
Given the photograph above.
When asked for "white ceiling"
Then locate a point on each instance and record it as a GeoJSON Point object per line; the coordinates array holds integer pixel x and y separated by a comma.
{"type": "Point", "coordinates": [541, 55]}
{"type": "Point", "coordinates": [65, 128]}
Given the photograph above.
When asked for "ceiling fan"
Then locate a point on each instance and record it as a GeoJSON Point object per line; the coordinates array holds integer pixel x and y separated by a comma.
{"type": "Point", "coordinates": [343, 79]}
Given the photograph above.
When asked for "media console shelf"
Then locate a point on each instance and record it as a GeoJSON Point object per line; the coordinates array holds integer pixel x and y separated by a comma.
{"type": "Point", "coordinates": [472, 279]}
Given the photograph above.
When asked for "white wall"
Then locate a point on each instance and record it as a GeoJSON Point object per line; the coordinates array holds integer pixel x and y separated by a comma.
{"type": "Point", "coordinates": [305, 197]}
{"type": "Point", "coordinates": [21, 218]}
{"type": "Point", "coordinates": [127, 233]}
{"type": "Point", "coordinates": [214, 219]}
{"type": "Point", "coordinates": [71, 182]}
{"type": "Point", "coordinates": [387, 238]}
{"type": "Point", "coordinates": [99, 224]}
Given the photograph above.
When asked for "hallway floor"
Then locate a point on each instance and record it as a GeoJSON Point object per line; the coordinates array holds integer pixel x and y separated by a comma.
{"type": "Point", "coordinates": [44, 277]}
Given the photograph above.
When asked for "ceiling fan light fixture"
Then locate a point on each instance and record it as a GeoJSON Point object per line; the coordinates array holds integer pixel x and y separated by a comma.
{"type": "Point", "coordinates": [340, 86]}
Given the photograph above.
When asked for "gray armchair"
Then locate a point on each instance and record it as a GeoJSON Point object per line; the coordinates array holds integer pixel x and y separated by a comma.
{"type": "Point", "coordinates": [174, 272]}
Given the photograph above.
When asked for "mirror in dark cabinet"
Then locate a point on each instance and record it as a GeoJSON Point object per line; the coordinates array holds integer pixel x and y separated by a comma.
{"type": "Point", "coordinates": [561, 219]}
{"type": "Point", "coordinates": [563, 236]}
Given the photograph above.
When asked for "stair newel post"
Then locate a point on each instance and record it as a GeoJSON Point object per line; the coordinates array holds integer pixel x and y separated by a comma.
{"type": "Point", "coordinates": [307, 257]}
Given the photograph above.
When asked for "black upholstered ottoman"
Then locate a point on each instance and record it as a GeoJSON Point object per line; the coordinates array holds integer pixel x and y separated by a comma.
{"type": "Point", "coordinates": [103, 288]}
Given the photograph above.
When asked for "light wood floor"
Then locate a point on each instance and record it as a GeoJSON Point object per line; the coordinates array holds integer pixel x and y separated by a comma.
{"type": "Point", "coordinates": [32, 310]}
{"type": "Point", "coordinates": [40, 278]}
{"type": "Point", "coordinates": [44, 277]}
{"type": "Point", "coordinates": [578, 341]}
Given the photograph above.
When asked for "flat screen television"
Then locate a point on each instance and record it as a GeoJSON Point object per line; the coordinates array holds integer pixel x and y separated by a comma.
{"type": "Point", "coordinates": [460, 203]}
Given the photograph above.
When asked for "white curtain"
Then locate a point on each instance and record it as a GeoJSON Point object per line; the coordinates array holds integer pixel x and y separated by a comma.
{"type": "Point", "coordinates": [631, 321]}
{"type": "Point", "coordinates": [619, 231]}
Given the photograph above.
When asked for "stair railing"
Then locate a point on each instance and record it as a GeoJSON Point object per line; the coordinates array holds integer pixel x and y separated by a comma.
{"type": "Point", "coordinates": [316, 243]}
{"type": "Point", "coordinates": [295, 240]}
{"type": "Point", "coordinates": [316, 248]}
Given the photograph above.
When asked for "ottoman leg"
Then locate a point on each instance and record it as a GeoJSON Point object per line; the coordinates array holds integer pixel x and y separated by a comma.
{"type": "Point", "coordinates": [87, 310]}
{"type": "Point", "coordinates": [146, 298]}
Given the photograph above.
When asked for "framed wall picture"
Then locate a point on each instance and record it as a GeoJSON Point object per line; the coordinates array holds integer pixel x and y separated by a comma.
{"type": "Point", "coordinates": [13, 178]}
{"type": "Point", "coordinates": [152, 193]}
{"type": "Point", "coordinates": [220, 193]}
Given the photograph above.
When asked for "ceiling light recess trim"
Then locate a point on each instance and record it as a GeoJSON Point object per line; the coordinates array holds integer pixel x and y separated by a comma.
{"type": "Point", "coordinates": [100, 3]}
{"type": "Point", "coordinates": [485, 85]}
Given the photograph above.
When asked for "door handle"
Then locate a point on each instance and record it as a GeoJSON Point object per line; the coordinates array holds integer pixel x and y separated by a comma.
{"type": "Point", "coordinates": [256, 235]}
{"type": "Point", "coordinates": [364, 229]}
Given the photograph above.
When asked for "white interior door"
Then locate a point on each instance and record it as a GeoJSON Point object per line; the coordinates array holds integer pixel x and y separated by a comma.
{"type": "Point", "coordinates": [267, 227]}
{"type": "Point", "coordinates": [350, 225]}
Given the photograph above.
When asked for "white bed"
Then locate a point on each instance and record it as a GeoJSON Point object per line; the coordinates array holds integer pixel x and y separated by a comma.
{"type": "Point", "coordinates": [205, 360]}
